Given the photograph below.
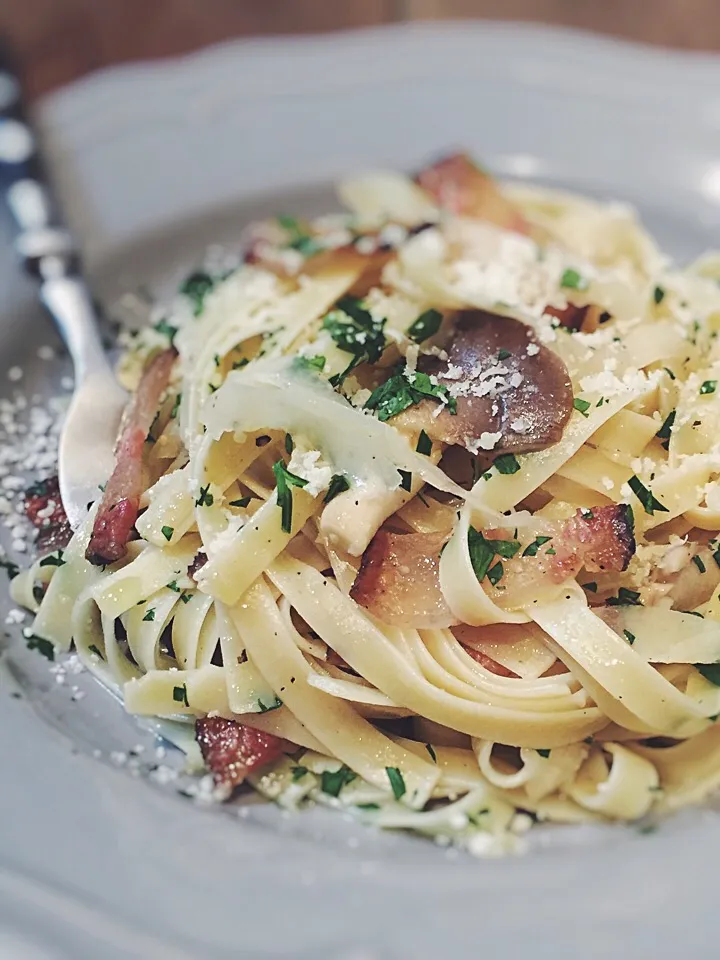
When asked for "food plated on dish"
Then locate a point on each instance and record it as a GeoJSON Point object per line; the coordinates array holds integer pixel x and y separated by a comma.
{"type": "Point", "coordinates": [414, 513]}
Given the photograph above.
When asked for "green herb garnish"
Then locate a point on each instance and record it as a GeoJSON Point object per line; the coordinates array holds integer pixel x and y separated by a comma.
{"type": "Point", "coordinates": [284, 480]}
{"type": "Point", "coordinates": [43, 646]}
{"type": "Point", "coordinates": [625, 598]}
{"type": "Point", "coordinates": [630, 637]}
{"type": "Point", "coordinates": [93, 649]}
{"type": "Point", "coordinates": [430, 750]}
{"type": "Point", "coordinates": [645, 496]}
{"type": "Point", "coordinates": [180, 695]}
{"type": "Point", "coordinates": [424, 444]}
{"type": "Point", "coordinates": [506, 463]}
{"type": "Point", "coordinates": [483, 552]}
{"type": "Point", "coordinates": [54, 560]}
{"type": "Point", "coordinates": [289, 444]}
{"type": "Point", "coordinates": [572, 280]}
{"type": "Point", "coordinates": [397, 782]}
{"type": "Point", "coordinates": [532, 548]}
{"type": "Point", "coordinates": [338, 484]}
{"type": "Point", "coordinates": [400, 392]}
{"type": "Point", "coordinates": [167, 330]}
{"type": "Point", "coordinates": [196, 287]}
{"type": "Point", "coordinates": [332, 781]}
{"type": "Point", "coordinates": [658, 294]}
{"type": "Point", "coordinates": [150, 615]}
{"type": "Point", "coordinates": [206, 499]}
{"type": "Point", "coordinates": [426, 326]}
{"type": "Point", "coordinates": [242, 502]}
{"type": "Point", "coordinates": [405, 479]}
{"type": "Point", "coordinates": [666, 429]}
{"type": "Point", "coordinates": [504, 355]}
{"type": "Point", "coordinates": [298, 773]}
{"type": "Point", "coordinates": [167, 532]}
{"type": "Point", "coordinates": [266, 708]}
{"type": "Point", "coordinates": [708, 386]}
{"type": "Point", "coordinates": [697, 560]}
{"type": "Point", "coordinates": [354, 330]}
{"type": "Point", "coordinates": [582, 406]}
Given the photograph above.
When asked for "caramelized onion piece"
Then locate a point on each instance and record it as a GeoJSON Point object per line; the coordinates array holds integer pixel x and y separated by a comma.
{"type": "Point", "coordinates": [500, 388]}
{"type": "Point", "coordinates": [232, 751]}
{"type": "Point", "coordinates": [399, 580]}
{"type": "Point", "coordinates": [580, 319]}
{"type": "Point", "coordinates": [121, 500]}
{"type": "Point", "coordinates": [458, 184]}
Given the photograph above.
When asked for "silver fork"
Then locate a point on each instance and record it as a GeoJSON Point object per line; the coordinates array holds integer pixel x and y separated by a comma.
{"type": "Point", "coordinates": [48, 252]}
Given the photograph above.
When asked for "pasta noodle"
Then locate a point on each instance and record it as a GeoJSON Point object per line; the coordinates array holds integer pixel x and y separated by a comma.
{"type": "Point", "coordinates": [426, 527]}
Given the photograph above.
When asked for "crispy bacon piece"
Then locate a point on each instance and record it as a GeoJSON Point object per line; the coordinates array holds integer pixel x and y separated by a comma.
{"type": "Point", "coordinates": [458, 184]}
{"type": "Point", "coordinates": [399, 580]}
{"type": "Point", "coordinates": [232, 750]}
{"type": "Point", "coordinates": [580, 319]}
{"type": "Point", "coordinates": [399, 577]}
{"type": "Point", "coordinates": [120, 503]}
{"type": "Point", "coordinates": [499, 387]}
{"type": "Point", "coordinates": [598, 539]}
{"type": "Point", "coordinates": [44, 510]}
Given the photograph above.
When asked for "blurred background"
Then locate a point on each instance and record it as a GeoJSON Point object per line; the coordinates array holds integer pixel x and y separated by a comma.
{"type": "Point", "coordinates": [57, 41]}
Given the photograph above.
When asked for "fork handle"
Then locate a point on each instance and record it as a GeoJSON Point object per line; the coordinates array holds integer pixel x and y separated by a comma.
{"type": "Point", "coordinates": [43, 243]}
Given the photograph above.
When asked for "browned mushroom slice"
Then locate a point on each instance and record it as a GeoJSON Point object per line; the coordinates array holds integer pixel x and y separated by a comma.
{"type": "Point", "coordinates": [232, 750]}
{"type": "Point", "coordinates": [458, 184]}
{"type": "Point", "coordinates": [399, 580]}
{"type": "Point", "coordinates": [513, 394]}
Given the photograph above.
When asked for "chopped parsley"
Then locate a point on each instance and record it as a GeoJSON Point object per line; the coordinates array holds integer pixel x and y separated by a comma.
{"type": "Point", "coordinates": [298, 773]}
{"type": "Point", "coordinates": [12, 569]}
{"type": "Point", "coordinates": [167, 532]}
{"type": "Point", "coordinates": [572, 280]}
{"type": "Point", "coordinates": [299, 239]}
{"type": "Point", "coordinates": [645, 496]}
{"type": "Point", "coordinates": [54, 560]}
{"type": "Point", "coordinates": [669, 372]}
{"type": "Point", "coordinates": [591, 586]}
{"type": "Point", "coordinates": [503, 355]}
{"type": "Point", "coordinates": [582, 406]}
{"type": "Point", "coordinates": [185, 597]}
{"type": "Point", "coordinates": [495, 573]}
{"type": "Point", "coordinates": [532, 548]}
{"type": "Point", "coordinates": [424, 444]}
{"type": "Point", "coordinates": [93, 649]}
{"type": "Point", "coordinates": [166, 330]}
{"type": "Point", "coordinates": [242, 502]}
{"type": "Point", "coordinates": [180, 695]}
{"type": "Point", "coordinates": [708, 386]}
{"type": "Point", "coordinates": [433, 755]}
{"type": "Point", "coordinates": [173, 586]}
{"type": "Point", "coordinates": [45, 647]}
{"type": "Point", "coordinates": [666, 429]}
{"type": "Point", "coordinates": [397, 782]}
{"type": "Point", "coordinates": [266, 708]}
{"type": "Point", "coordinates": [405, 479]}
{"type": "Point", "coordinates": [506, 463]}
{"type": "Point", "coordinates": [711, 672]}
{"type": "Point", "coordinates": [630, 637]}
{"type": "Point", "coordinates": [284, 480]}
{"type": "Point", "coordinates": [658, 294]}
{"type": "Point", "coordinates": [400, 392]}
{"type": "Point", "coordinates": [483, 552]}
{"type": "Point", "coordinates": [355, 331]}
{"type": "Point", "coordinates": [289, 444]}
{"type": "Point", "coordinates": [332, 781]}
{"type": "Point", "coordinates": [311, 363]}
{"type": "Point", "coordinates": [175, 406]}
{"type": "Point", "coordinates": [368, 806]}
{"type": "Point", "coordinates": [150, 615]}
{"type": "Point", "coordinates": [544, 753]}
{"type": "Point", "coordinates": [338, 484]}
{"type": "Point", "coordinates": [697, 560]}
{"type": "Point", "coordinates": [196, 287]}
{"type": "Point", "coordinates": [426, 326]}
{"type": "Point", "coordinates": [625, 598]}
{"type": "Point", "coordinates": [206, 499]}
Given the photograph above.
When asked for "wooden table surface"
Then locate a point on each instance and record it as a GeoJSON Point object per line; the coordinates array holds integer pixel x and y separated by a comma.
{"type": "Point", "coordinates": [59, 40]}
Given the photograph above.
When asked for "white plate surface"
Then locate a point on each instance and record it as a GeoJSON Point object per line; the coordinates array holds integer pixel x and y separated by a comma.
{"type": "Point", "coordinates": [155, 161]}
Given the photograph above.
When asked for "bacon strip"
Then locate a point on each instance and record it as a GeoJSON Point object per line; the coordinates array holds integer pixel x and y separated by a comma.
{"type": "Point", "coordinates": [399, 580]}
{"type": "Point", "coordinates": [232, 751]}
{"type": "Point", "coordinates": [399, 577]}
{"type": "Point", "coordinates": [458, 184]}
{"type": "Point", "coordinates": [44, 510]}
{"type": "Point", "coordinates": [526, 396]}
{"type": "Point", "coordinates": [120, 503]}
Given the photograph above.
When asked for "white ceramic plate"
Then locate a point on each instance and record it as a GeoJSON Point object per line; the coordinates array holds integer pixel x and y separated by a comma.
{"type": "Point", "coordinates": [155, 161]}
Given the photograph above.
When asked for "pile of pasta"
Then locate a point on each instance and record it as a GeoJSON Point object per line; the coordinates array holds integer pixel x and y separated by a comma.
{"type": "Point", "coordinates": [414, 514]}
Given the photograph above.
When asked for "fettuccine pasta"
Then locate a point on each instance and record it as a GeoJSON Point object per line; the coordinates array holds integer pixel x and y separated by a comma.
{"type": "Point", "coordinates": [414, 514]}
